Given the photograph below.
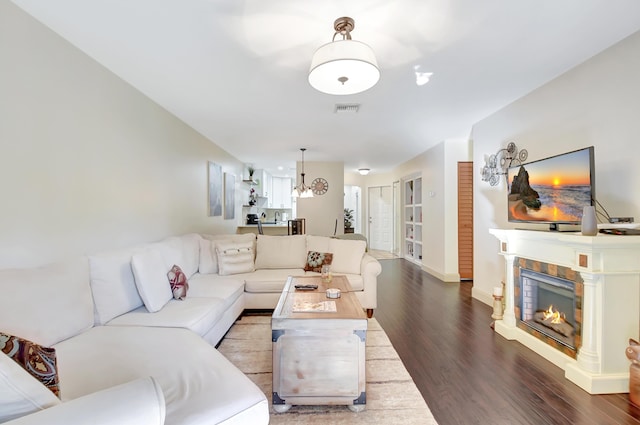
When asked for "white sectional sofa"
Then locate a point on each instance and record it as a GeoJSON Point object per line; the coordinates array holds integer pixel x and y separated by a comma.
{"type": "Point", "coordinates": [128, 352]}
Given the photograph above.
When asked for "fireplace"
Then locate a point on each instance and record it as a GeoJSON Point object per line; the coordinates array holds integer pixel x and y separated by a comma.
{"type": "Point", "coordinates": [605, 302]}
{"type": "Point", "coordinates": [548, 307]}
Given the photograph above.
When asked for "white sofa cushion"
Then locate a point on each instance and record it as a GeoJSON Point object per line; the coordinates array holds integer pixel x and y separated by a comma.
{"type": "Point", "coordinates": [138, 402]}
{"type": "Point", "coordinates": [47, 304]}
{"type": "Point", "coordinates": [281, 252]}
{"type": "Point", "coordinates": [150, 272]}
{"type": "Point", "coordinates": [209, 257]}
{"type": "Point", "coordinates": [199, 384]}
{"type": "Point", "coordinates": [234, 258]}
{"type": "Point", "coordinates": [227, 288]}
{"type": "Point", "coordinates": [21, 393]}
{"type": "Point", "coordinates": [318, 243]}
{"type": "Point", "coordinates": [268, 280]}
{"type": "Point", "coordinates": [181, 250]}
{"type": "Point", "coordinates": [113, 285]}
{"type": "Point", "coordinates": [347, 255]}
{"type": "Point", "coordinates": [196, 314]}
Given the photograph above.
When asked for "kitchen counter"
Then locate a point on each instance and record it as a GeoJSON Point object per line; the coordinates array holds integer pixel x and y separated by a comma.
{"type": "Point", "coordinates": [279, 228]}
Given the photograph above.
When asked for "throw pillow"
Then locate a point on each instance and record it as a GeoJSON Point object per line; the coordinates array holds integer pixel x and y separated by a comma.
{"type": "Point", "coordinates": [178, 281]}
{"type": "Point", "coordinates": [151, 279]}
{"type": "Point", "coordinates": [39, 361]}
{"type": "Point", "coordinates": [315, 261]}
{"type": "Point", "coordinates": [234, 258]}
{"type": "Point", "coordinates": [347, 255]}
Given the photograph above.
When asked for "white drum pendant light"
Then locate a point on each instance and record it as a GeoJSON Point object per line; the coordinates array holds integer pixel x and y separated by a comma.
{"type": "Point", "coordinates": [344, 66]}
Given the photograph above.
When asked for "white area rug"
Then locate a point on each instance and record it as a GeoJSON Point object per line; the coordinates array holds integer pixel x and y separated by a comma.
{"type": "Point", "coordinates": [392, 397]}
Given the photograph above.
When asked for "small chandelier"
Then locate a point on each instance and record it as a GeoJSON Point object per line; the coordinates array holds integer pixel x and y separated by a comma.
{"type": "Point", "coordinates": [302, 190]}
{"type": "Point", "coordinates": [344, 66]}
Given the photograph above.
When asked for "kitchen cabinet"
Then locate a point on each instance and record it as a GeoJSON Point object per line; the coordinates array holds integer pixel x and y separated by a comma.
{"type": "Point", "coordinates": [281, 190]}
{"type": "Point", "coordinates": [264, 183]}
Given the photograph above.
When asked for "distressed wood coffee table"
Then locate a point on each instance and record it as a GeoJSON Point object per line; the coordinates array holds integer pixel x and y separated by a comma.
{"type": "Point", "coordinates": [318, 357]}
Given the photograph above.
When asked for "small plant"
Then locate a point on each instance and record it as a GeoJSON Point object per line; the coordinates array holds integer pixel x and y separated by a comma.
{"type": "Point", "coordinates": [251, 170]}
{"type": "Point", "coordinates": [348, 218]}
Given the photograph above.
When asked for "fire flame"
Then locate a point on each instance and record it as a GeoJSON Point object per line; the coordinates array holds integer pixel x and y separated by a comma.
{"type": "Point", "coordinates": [554, 315]}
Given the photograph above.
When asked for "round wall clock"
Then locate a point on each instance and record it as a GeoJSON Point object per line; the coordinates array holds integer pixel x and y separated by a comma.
{"type": "Point", "coordinates": [319, 186]}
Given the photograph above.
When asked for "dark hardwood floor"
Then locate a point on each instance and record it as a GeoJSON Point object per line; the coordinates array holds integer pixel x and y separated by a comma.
{"type": "Point", "coordinates": [466, 372]}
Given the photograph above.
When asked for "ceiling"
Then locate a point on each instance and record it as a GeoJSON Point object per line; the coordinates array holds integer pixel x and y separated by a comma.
{"type": "Point", "coordinates": [236, 70]}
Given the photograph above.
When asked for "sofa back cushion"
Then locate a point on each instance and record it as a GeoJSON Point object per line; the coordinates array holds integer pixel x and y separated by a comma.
{"type": "Point", "coordinates": [318, 243]}
{"type": "Point", "coordinates": [113, 285]}
{"type": "Point", "coordinates": [183, 251]}
{"type": "Point", "coordinates": [47, 304]}
{"type": "Point", "coordinates": [347, 255]}
{"type": "Point", "coordinates": [281, 252]}
{"type": "Point", "coordinates": [150, 272]}
{"type": "Point", "coordinates": [208, 255]}
{"type": "Point", "coordinates": [21, 393]}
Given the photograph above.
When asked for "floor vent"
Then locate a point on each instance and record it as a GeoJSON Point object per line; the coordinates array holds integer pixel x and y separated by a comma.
{"type": "Point", "coordinates": [342, 108]}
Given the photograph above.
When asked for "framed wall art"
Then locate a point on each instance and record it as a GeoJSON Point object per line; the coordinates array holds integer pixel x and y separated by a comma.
{"type": "Point", "coordinates": [215, 189]}
{"type": "Point", "coordinates": [229, 196]}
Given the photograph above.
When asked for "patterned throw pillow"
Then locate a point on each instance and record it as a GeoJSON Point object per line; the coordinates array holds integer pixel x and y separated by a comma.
{"type": "Point", "coordinates": [39, 361]}
{"type": "Point", "coordinates": [315, 261]}
{"type": "Point", "coordinates": [178, 281]}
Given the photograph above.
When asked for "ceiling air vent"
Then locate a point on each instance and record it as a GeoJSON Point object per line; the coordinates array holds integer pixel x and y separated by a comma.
{"type": "Point", "coordinates": [342, 108]}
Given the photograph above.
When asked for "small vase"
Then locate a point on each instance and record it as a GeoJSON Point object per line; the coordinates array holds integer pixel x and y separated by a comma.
{"type": "Point", "coordinates": [589, 225]}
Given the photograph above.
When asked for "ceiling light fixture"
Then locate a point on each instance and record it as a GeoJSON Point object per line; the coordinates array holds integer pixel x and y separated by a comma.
{"type": "Point", "coordinates": [345, 66]}
{"type": "Point", "coordinates": [302, 190]}
{"type": "Point", "coordinates": [363, 171]}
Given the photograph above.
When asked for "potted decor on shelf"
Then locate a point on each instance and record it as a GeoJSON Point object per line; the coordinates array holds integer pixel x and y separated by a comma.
{"type": "Point", "coordinates": [253, 196]}
{"type": "Point", "coordinates": [348, 220]}
{"type": "Point", "coordinates": [251, 170]}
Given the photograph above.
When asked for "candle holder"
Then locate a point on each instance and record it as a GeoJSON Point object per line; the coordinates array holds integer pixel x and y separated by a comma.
{"type": "Point", "coordinates": [498, 309]}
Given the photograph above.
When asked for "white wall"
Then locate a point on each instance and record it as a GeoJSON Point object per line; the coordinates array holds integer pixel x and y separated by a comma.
{"type": "Point", "coordinates": [438, 168]}
{"type": "Point", "coordinates": [596, 103]}
{"type": "Point", "coordinates": [322, 211]}
{"type": "Point", "coordinates": [89, 163]}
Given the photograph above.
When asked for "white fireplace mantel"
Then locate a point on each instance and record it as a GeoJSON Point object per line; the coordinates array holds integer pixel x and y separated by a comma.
{"type": "Point", "coordinates": [610, 268]}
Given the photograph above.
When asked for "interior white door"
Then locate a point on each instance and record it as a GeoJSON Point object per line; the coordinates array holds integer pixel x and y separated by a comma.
{"type": "Point", "coordinates": [381, 218]}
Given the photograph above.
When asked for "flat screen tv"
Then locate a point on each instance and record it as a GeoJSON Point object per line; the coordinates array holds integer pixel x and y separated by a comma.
{"type": "Point", "coordinates": [552, 190]}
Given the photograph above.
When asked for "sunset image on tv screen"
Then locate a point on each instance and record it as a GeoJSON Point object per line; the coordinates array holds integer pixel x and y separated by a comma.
{"type": "Point", "coordinates": [551, 190]}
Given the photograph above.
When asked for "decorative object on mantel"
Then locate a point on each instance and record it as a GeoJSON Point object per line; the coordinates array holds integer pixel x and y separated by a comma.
{"type": "Point", "coordinates": [497, 164]}
{"type": "Point", "coordinates": [345, 66]}
{"type": "Point", "coordinates": [302, 190]}
{"type": "Point", "coordinates": [589, 224]}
